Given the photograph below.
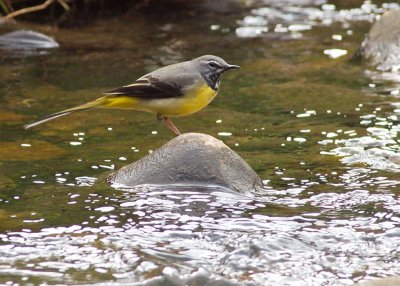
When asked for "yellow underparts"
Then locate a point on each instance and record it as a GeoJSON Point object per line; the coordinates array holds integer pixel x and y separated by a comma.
{"type": "Point", "coordinates": [195, 99]}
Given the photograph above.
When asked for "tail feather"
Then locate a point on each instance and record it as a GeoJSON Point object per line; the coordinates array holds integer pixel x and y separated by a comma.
{"type": "Point", "coordinates": [82, 107]}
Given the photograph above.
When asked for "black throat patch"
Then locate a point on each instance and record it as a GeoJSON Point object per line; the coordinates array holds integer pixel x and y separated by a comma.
{"type": "Point", "coordinates": [212, 80]}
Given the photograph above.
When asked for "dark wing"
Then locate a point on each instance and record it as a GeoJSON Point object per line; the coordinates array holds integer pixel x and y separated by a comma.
{"type": "Point", "coordinates": [148, 86]}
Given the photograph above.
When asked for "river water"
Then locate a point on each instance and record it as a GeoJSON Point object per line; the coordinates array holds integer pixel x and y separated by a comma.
{"type": "Point", "coordinates": [319, 129]}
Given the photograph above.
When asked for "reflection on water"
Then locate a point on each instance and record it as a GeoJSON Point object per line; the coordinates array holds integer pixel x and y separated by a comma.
{"type": "Point", "coordinates": [321, 132]}
{"type": "Point", "coordinates": [379, 148]}
{"type": "Point", "coordinates": [212, 235]}
{"type": "Point", "coordinates": [288, 19]}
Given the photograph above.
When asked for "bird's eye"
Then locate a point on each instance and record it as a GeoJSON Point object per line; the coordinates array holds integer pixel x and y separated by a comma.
{"type": "Point", "coordinates": [213, 65]}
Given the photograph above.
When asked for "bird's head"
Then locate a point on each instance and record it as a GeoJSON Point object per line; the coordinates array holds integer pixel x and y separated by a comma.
{"type": "Point", "coordinates": [211, 68]}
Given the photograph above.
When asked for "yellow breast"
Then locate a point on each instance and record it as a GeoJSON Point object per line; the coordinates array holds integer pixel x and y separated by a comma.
{"type": "Point", "coordinates": [196, 98]}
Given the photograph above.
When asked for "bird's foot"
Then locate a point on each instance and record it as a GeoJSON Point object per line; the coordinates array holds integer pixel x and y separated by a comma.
{"type": "Point", "coordinates": [167, 122]}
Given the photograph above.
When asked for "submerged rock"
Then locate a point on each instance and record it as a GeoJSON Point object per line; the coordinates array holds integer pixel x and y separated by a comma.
{"type": "Point", "coordinates": [381, 46]}
{"type": "Point", "coordinates": [29, 150]}
{"type": "Point", "coordinates": [190, 158]}
{"type": "Point", "coordinates": [24, 39]}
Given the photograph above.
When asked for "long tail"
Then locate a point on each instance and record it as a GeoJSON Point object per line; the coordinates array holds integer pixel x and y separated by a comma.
{"type": "Point", "coordinates": [93, 104]}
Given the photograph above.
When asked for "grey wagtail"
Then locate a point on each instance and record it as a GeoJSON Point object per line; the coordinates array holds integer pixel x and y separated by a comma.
{"type": "Point", "coordinates": [175, 90]}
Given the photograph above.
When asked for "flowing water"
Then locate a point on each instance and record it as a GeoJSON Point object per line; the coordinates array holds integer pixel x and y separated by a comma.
{"type": "Point", "coordinates": [320, 130]}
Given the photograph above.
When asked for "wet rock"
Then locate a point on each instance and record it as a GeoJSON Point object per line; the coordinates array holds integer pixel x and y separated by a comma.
{"type": "Point", "coordinates": [381, 46]}
{"type": "Point", "coordinates": [27, 40]}
{"type": "Point", "coordinates": [190, 158]}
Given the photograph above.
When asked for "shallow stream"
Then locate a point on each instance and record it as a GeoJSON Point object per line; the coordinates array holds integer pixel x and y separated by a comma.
{"type": "Point", "coordinates": [319, 129]}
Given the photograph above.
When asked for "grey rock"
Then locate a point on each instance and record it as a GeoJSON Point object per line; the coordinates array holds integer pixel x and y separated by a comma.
{"type": "Point", "coordinates": [381, 46]}
{"type": "Point", "coordinates": [191, 158]}
{"type": "Point", "coordinates": [24, 39]}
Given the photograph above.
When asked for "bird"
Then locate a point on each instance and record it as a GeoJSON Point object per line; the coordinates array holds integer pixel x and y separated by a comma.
{"type": "Point", "coordinates": [171, 91]}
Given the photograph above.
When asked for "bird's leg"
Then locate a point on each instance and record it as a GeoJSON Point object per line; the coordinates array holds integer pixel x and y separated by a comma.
{"type": "Point", "coordinates": [167, 122]}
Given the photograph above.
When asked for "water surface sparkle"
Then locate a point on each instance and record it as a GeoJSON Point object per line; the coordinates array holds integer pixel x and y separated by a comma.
{"type": "Point", "coordinates": [322, 133]}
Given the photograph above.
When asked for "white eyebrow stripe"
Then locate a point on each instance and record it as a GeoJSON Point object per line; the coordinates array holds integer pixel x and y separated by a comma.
{"type": "Point", "coordinates": [214, 62]}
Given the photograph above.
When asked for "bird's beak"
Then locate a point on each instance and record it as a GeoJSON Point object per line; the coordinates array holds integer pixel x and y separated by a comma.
{"type": "Point", "coordinates": [232, 67]}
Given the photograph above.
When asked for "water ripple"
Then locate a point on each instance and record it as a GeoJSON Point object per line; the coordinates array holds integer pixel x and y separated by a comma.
{"type": "Point", "coordinates": [191, 234]}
